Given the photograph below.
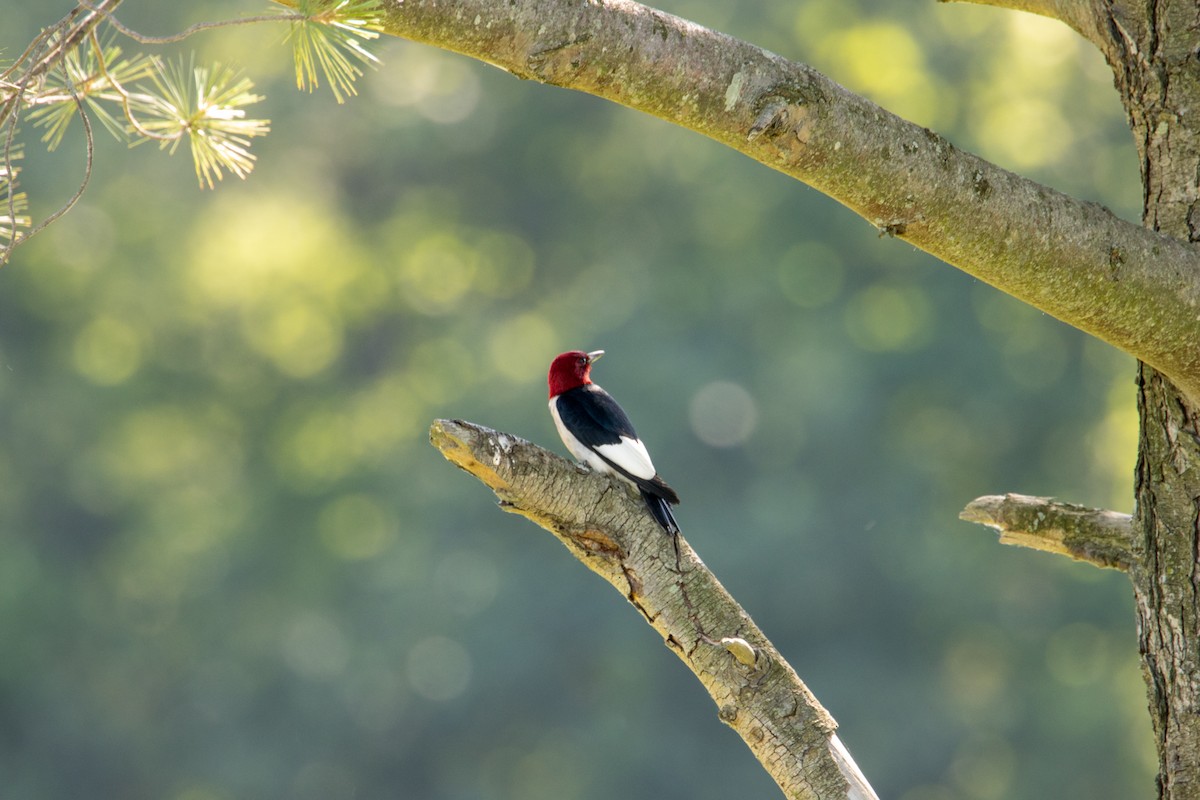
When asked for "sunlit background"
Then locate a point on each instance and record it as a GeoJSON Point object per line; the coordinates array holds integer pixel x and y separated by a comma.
{"type": "Point", "coordinates": [231, 565]}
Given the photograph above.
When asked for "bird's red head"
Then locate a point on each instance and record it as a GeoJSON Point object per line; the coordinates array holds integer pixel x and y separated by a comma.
{"type": "Point", "coordinates": [572, 369]}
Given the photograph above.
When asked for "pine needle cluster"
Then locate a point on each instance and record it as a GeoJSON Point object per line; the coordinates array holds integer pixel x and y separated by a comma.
{"type": "Point", "coordinates": [77, 69]}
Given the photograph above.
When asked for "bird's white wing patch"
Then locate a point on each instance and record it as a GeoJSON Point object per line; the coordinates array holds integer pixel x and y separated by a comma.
{"type": "Point", "coordinates": [631, 456]}
{"type": "Point", "coordinates": [628, 454]}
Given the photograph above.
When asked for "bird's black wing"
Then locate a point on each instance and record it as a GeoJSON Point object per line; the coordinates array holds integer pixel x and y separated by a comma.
{"type": "Point", "coordinates": [596, 419]}
{"type": "Point", "coordinates": [593, 417]}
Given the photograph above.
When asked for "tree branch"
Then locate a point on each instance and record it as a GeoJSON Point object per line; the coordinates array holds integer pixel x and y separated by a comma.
{"type": "Point", "coordinates": [1102, 538]}
{"type": "Point", "coordinates": [1129, 286]}
{"type": "Point", "coordinates": [605, 525]}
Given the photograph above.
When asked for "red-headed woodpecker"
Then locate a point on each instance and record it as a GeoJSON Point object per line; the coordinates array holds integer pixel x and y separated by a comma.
{"type": "Point", "coordinates": [598, 432]}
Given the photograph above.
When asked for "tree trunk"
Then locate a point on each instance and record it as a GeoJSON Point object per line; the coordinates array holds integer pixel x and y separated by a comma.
{"type": "Point", "coordinates": [1166, 580]}
{"type": "Point", "coordinates": [1153, 54]}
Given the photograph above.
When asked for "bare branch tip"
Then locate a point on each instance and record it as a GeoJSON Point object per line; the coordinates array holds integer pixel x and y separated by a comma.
{"type": "Point", "coordinates": [455, 439]}
{"type": "Point", "coordinates": [1096, 536]}
{"type": "Point", "coordinates": [982, 510]}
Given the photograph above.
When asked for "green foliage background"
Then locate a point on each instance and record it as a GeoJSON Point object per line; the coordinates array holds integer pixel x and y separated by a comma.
{"type": "Point", "coordinates": [231, 566]}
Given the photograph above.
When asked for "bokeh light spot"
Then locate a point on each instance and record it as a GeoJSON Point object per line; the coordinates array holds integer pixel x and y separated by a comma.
{"type": "Point", "coordinates": [107, 351]}
{"type": "Point", "coordinates": [384, 416]}
{"type": "Point", "coordinates": [314, 448]}
{"type": "Point", "coordinates": [930, 791]}
{"type": "Point", "coordinates": [977, 671]}
{"type": "Point", "coordinates": [885, 62]}
{"type": "Point", "coordinates": [376, 696]}
{"type": "Point", "coordinates": [297, 336]}
{"type": "Point", "coordinates": [324, 780]}
{"type": "Point", "coordinates": [439, 668]}
{"type": "Point", "coordinates": [314, 646]}
{"type": "Point", "coordinates": [884, 318]}
{"type": "Point", "coordinates": [1078, 654]}
{"type": "Point", "coordinates": [467, 580]}
{"type": "Point", "coordinates": [85, 238]}
{"type": "Point", "coordinates": [811, 274]}
{"type": "Point", "coordinates": [168, 445]}
{"type": "Point", "coordinates": [1113, 444]}
{"type": "Point", "coordinates": [355, 527]}
{"type": "Point", "coordinates": [436, 273]}
{"type": "Point", "coordinates": [1024, 132]}
{"type": "Point", "coordinates": [553, 768]}
{"type": "Point", "coordinates": [984, 769]}
{"type": "Point", "coordinates": [1033, 349]}
{"type": "Point", "coordinates": [518, 347]}
{"type": "Point", "coordinates": [505, 264]}
{"type": "Point", "coordinates": [439, 87]}
{"type": "Point", "coordinates": [1041, 43]}
{"type": "Point", "coordinates": [201, 793]}
{"type": "Point", "coordinates": [442, 369]}
{"type": "Point", "coordinates": [880, 56]}
{"type": "Point", "coordinates": [256, 249]}
{"type": "Point", "coordinates": [723, 414]}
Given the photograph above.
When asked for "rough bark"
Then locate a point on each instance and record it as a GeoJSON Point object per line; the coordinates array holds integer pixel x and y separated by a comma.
{"type": "Point", "coordinates": [604, 523]}
{"type": "Point", "coordinates": [1166, 579]}
{"type": "Point", "coordinates": [1153, 54]}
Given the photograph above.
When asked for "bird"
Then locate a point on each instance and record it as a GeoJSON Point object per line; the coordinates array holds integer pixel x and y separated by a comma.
{"type": "Point", "coordinates": [597, 431]}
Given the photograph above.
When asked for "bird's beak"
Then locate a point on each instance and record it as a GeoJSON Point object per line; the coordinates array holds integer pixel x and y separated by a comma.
{"type": "Point", "coordinates": [594, 356]}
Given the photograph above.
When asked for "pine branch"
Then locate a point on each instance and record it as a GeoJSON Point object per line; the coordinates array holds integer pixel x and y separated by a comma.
{"type": "Point", "coordinates": [45, 53]}
{"type": "Point", "coordinates": [1102, 538]}
{"type": "Point", "coordinates": [605, 525]}
{"type": "Point", "coordinates": [69, 71]}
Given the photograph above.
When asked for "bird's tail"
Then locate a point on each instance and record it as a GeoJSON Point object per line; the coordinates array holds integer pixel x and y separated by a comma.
{"type": "Point", "coordinates": [661, 510]}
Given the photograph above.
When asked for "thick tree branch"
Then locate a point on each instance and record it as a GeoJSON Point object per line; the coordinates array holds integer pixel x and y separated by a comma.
{"type": "Point", "coordinates": [1126, 285]}
{"type": "Point", "coordinates": [605, 525]}
{"type": "Point", "coordinates": [1103, 538]}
